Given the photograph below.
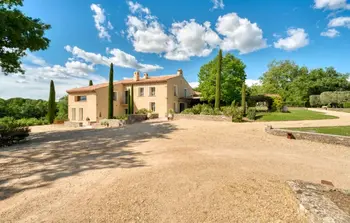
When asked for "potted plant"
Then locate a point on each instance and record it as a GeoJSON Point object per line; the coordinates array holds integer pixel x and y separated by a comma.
{"type": "Point", "coordinates": [88, 120]}
{"type": "Point", "coordinates": [171, 114]}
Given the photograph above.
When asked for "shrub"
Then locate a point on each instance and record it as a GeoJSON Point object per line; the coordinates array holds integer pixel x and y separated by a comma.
{"type": "Point", "coordinates": [277, 104]}
{"type": "Point", "coordinates": [11, 131]}
{"type": "Point", "coordinates": [251, 113]}
{"type": "Point", "coordinates": [142, 111]}
{"type": "Point", "coordinates": [334, 97]}
{"type": "Point", "coordinates": [171, 111]}
{"type": "Point", "coordinates": [315, 101]}
{"type": "Point", "coordinates": [187, 111]}
{"type": "Point", "coordinates": [122, 117]}
{"type": "Point", "coordinates": [261, 109]}
{"type": "Point", "coordinates": [197, 109]}
{"type": "Point", "coordinates": [237, 115]}
{"type": "Point", "coordinates": [346, 105]}
{"type": "Point", "coordinates": [227, 110]}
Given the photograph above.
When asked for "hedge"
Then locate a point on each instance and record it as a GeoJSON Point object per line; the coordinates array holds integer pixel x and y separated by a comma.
{"type": "Point", "coordinates": [315, 101]}
{"type": "Point", "coordinates": [334, 97]}
{"type": "Point", "coordinates": [11, 131]}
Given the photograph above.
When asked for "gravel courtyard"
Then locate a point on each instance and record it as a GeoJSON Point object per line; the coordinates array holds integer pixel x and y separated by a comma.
{"type": "Point", "coordinates": [179, 171]}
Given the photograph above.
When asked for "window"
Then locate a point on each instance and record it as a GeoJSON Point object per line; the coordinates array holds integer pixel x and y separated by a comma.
{"type": "Point", "coordinates": [115, 96]}
{"type": "Point", "coordinates": [73, 114]}
{"type": "Point", "coordinates": [153, 106]}
{"type": "Point", "coordinates": [175, 90]}
{"type": "Point", "coordinates": [81, 115]}
{"type": "Point", "coordinates": [141, 91]}
{"type": "Point", "coordinates": [152, 91]}
{"type": "Point", "coordinates": [185, 93]}
{"type": "Point", "coordinates": [80, 98]}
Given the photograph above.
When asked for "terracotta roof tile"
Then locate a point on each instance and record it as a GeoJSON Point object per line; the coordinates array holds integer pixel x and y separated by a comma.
{"type": "Point", "coordinates": [156, 79]}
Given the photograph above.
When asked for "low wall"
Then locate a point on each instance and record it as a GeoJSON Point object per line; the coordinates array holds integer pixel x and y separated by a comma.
{"type": "Point", "coordinates": [73, 124]}
{"type": "Point", "coordinates": [315, 137]}
{"type": "Point", "coordinates": [203, 117]}
{"type": "Point", "coordinates": [135, 118]}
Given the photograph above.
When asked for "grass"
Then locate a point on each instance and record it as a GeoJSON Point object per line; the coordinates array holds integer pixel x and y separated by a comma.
{"type": "Point", "coordinates": [334, 130]}
{"type": "Point", "coordinates": [293, 115]}
{"type": "Point", "coordinates": [340, 109]}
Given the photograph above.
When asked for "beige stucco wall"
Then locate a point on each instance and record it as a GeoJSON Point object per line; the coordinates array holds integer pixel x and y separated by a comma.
{"type": "Point", "coordinates": [160, 97]}
{"type": "Point", "coordinates": [102, 102]}
{"type": "Point", "coordinates": [181, 84]}
{"type": "Point", "coordinates": [88, 106]}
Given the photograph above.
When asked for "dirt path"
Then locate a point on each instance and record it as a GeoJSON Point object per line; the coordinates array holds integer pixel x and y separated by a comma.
{"type": "Point", "coordinates": [181, 171]}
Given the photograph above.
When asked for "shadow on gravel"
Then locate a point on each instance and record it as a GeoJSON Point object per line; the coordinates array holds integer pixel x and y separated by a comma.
{"type": "Point", "coordinates": [54, 155]}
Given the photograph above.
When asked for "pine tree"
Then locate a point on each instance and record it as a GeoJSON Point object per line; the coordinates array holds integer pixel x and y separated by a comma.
{"type": "Point", "coordinates": [52, 103]}
{"type": "Point", "coordinates": [243, 98]}
{"type": "Point", "coordinates": [218, 81]}
{"type": "Point", "coordinates": [91, 83]}
{"type": "Point", "coordinates": [110, 93]}
{"type": "Point", "coordinates": [132, 100]}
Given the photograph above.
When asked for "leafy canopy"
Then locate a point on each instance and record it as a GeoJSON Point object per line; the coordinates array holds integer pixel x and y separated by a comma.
{"type": "Point", "coordinates": [18, 33]}
{"type": "Point", "coordinates": [232, 78]}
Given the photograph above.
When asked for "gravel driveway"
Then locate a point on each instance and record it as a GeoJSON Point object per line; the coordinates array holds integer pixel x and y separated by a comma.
{"type": "Point", "coordinates": [180, 171]}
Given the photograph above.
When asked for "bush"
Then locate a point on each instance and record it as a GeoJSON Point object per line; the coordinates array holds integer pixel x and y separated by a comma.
{"type": "Point", "coordinates": [187, 111]}
{"type": "Point", "coordinates": [122, 117]}
{"type": "Point", "coordinates": [315, 101]}
{"type": "Point", "coordinates": [251, 113]}
{"type": "Point", "coordinates": [11, 131]}
{"type": "Point", "coordinates": [334, 97]}
{"type": "Point", "coordinates": [346, 105]}
{"type": "Point", "coordinates": [142, 111]}
{"type": "Point", "coordinates": [261, 109]}
{"type": "Point", "coordinates": [237, 115]}
{"type": "Point", "coordinates": [227, 110]}
{"type": "Point", "coordinates": [277, 104]}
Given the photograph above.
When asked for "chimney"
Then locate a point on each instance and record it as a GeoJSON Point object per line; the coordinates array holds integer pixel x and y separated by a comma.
{"type": "Point", "coordinates": [145, 75]}
{"type": "Point", "coordinates": [179, 72]}
{"type": "Point", "coordinates": [136, 76]}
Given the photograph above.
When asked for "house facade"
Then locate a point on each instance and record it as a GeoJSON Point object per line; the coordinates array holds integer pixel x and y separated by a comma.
{"type": "Point", "coordinates": [158, 93]}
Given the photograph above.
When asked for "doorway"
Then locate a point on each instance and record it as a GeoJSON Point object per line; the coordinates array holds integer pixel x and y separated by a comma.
{"type": "Point", "coordinates": [182, 107]}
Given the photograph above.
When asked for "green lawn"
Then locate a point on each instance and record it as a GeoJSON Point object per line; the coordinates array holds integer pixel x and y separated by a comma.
{"type": "Point", "coordinates": [340, 109]}
{"type": "Point", "coordinates": [334, 130]}
{"type": "Point", "coordinates": [293, 115]}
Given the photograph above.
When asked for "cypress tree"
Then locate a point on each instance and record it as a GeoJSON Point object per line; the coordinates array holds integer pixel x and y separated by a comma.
{"type": "Point", "coordinates": [52, 103]}
{"type": "Point", "coordinates": [243, 98]}
{"type": "Point", "coordinates": [218, 81]}
{"type": "Point", "coordinates": [129, 102]}
{"type": "Point", "coordinates": [132, 100]}
{"type": "Point", "coordinates": [110, 93]}
{"type": "Point", "coordinates": [90, 83]}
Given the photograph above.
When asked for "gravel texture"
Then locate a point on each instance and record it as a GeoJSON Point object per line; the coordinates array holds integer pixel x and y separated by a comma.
{"type": "Point", "coordinates": [179, 171]}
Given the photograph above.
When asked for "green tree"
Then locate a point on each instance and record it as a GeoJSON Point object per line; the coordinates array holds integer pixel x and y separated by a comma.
{"type": "Point", "coordinates": [91, 83]}
{"type": "Point", "coordinates": [18, 33]}
{"type": "Point", "coordinates": [52, 103]}
{"type": "Point", "coordinates": [110, 93]}
{"type": "Point", "coordinates": [232, 77]}
{"type": "Point", "coordinates": [129, 102]}
{"type": "Point", "coordinates": [243, 98]}
{"type": "Point", "coordinates": [218, 81]}
{"type": "Point", "coordinates": [62, 107]}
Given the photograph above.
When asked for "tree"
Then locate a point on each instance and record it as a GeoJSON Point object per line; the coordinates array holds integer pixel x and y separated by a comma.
{"type": "Point", "coordinates": [52, 103]}
{"type": "Point", "coordinates": [232, 77]}
{"type": "Point", "coordinates": [243, 98]}
{"type": "Point", "coordinates": [62, 107]}
{"type": "Point", "coordinates": [218, 81]}
{"type": "Point", "coordinates": [110, 93]}
{"type": "Point", "coordinates": [18, 33]}
{"type": "Point", "coordinates": [91, 83]}
{"type": "Point", "coordinates": [129, 102]}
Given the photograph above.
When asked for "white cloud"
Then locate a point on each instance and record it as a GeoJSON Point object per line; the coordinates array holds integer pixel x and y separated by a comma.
{"type": "Point", "coordinates": [31, 58]}
{"type": "Point", "coordinates": [340, 21]}
{"type": "Point", "coordinates": [80, 66]}
{"type": "Point", "coordinates": [240, 34]}
{"type": "Point", "coordinates": [251, 82]}
{"type": "Point", "coordinates": [188, 39]}
{"type": "Point", "coordinates": [218, 4]}
{"type": "Point", "coordinates": [100, 20]}
{"type": "Point", "coordinates": [297, 38]}
{"type": "Point", "coordinates": [331, 4]}
{"type": "Point", "coordinates": [136, 7]}
{"type": "Point", "coordinates": [331, 33]}
{"type": "Point", "coordinates": [118, 58]}
{"type": "Point", "coordinates": [36, 81]}
{"type": "Point", "coordinates": [194, 84]}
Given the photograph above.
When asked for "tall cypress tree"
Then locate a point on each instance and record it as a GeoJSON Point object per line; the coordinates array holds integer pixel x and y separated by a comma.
{"type": "Point", "coordinates": [132, 100]}
{"type": "Point", "coordinates": [52, 103]}
{"type": "Point", "coordinates": [129, 102]}
{"type": "Point", "coordinates": [218, 81]}
{"type": "Point", "coordinates": [91, 83]}
{"type": "Point", "coordinates": [110, 93]}
{"type": "Point", "coordinates": [243, 98]}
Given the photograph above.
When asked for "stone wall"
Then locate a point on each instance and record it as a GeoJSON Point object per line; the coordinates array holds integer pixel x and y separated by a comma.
{"type": "Point", "coordinates": [73, 124]}
{"type": "Point", "coordinates": [136, 118]}
{"type": "Point", "coordinates": [315, 137]}
{"type": "Point", "coordinates": [203, 117]}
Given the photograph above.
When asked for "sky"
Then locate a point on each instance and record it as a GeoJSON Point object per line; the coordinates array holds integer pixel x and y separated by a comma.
{"type": "Point", "coordinates": [159, 37]}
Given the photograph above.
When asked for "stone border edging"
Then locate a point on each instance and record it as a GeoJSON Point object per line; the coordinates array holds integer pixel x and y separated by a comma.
{"type": "Point", "coordinates": [315, 137]}
{"type": "Point", "coordinates": [203, 117]}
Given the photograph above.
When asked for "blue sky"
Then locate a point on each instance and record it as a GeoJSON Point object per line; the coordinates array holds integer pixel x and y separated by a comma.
{"type": "Point", "coordinates": [159, 37]}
